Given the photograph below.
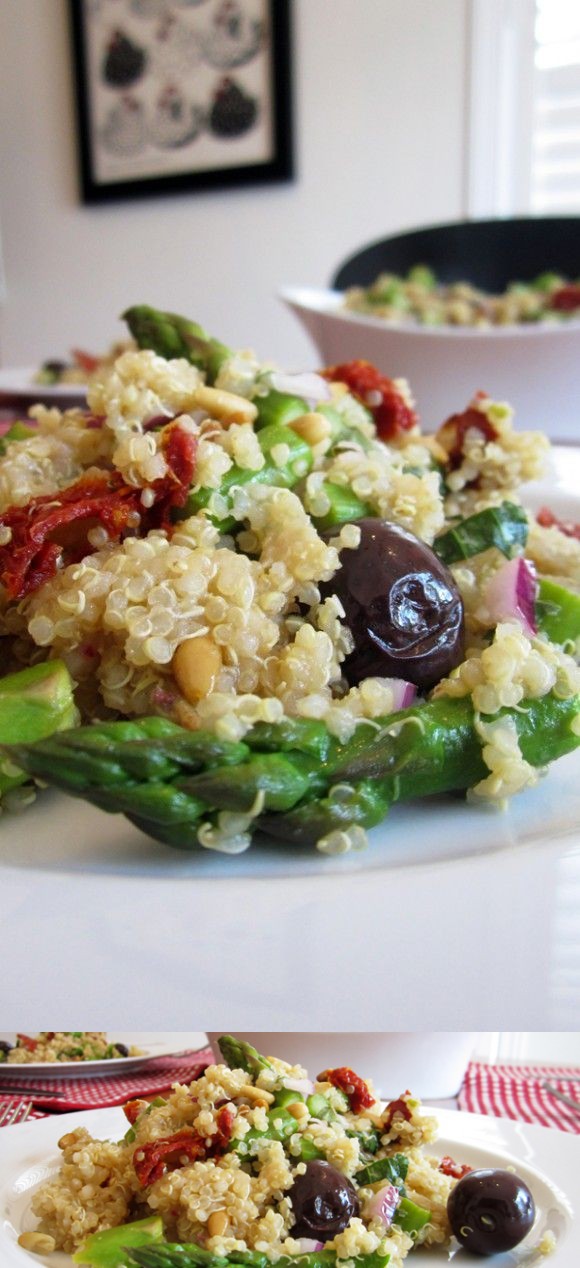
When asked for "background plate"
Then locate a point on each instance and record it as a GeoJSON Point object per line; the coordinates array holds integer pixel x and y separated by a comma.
{"type": "Point", "coordinates": [19, 381]}
{"type": "Point", "coordinates": [149, 1043]}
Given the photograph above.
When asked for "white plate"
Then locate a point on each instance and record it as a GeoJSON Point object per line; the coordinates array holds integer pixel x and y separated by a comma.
{"type": "Point", "coordinates": [548, 1161]}
{"type": "Point", "coordinates": [448, 905]}
{"type": "Point", "coordinates": [150, 1045]}
{"type": "Point", "coordinates": [19, 381]}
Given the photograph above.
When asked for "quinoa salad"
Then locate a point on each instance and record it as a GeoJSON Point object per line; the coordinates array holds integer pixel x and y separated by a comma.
{"type": "Point", "coordinates": [419, 298]}
{"type": "Point", "coordinates": [254, 1163]}
{"type": "Point", "coordinates": [63, 1045]}
{"type": "Point", "coordinates": [79, 366]}
{"type": "Point", "coordinates": [235, 600]}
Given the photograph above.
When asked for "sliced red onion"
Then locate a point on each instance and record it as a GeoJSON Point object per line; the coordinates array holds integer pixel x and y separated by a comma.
{"type": "Point", "coordinates": [403, 692]}
{"type": "Point", "coordinates": [383, 1204]}
{"type": "Point", "coordinates": [304, 1086]}
{"type": "Point", "coordinates": [307, 1244]}
{"type": "Point", "coordinates": [309, 385]}
{"type": "Point", "coordinates": [510, 595]}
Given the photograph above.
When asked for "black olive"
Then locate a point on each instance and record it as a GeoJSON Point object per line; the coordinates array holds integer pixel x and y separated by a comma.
{"type": "Point", "coordinates": [402, 606]}
{"type": "Point", "coordinates": [5, 1047]}
{"type": "Point", "coordinates": [122, 1050]}
{"type": "Point", "coordinates": [323, 1201]}
{"type": "Point", "coordinates": [490, 1211]}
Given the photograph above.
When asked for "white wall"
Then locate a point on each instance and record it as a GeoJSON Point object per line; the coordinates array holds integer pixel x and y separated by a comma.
{"type": "Point", "coordinates": [380, 93]}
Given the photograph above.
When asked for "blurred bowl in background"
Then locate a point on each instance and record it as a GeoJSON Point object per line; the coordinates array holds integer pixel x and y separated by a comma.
{"type": "Point", "coordinates": [431, 1065]}
{"type": "Point", "coordinates": [536, 367]}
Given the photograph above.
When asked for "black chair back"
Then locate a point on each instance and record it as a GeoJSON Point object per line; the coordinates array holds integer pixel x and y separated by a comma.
{"type": "Point", "coordinates": [488, 253]}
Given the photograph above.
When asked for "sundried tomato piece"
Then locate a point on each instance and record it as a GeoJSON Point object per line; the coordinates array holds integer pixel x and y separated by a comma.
{"type": "Point", "coordinates": [382, 396]}
{"type": "Point", "coordinates": [41, 535]}
{"type": "Point", "coordinates": [396, 1107]}
{"type": "Point", "coordinates": [451, 435]}
{"type": "Point", "coordinates": [547, 519]}
{"type": "Point", "coordinates": [225, 1119]}
{"type": "Point", "coordinates": [152, 1159]}
{"type": "Point", "coordinates": [455, 1169]}
{"type": "Point", "coordinates": [52, 528]}
{"type": "Point", "coordinates": [180, 452]}
{"type": "Point", "coordinates": [566, 298]}
{"type": "Point", "coordinates": [352, 1085]}
{"type": "Point", "coordinates": [25, 1041]}
{"type": "Point", "coordinates": [132, 1110]}
{"type": "Point", "coordinates": [85, 360]}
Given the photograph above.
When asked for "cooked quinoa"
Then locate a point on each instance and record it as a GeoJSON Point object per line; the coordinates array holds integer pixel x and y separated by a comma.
{"type": "Point", "coordinates": [63, 1045]}
{"type": "Point", "coordinates": [246, 1137]}
{"type": "Point", "coordinates": [219, 612]}
{"type": "Point", "coordinates": [420, 299]}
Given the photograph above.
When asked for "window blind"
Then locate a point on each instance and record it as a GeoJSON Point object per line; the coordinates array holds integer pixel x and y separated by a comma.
{"type": "Point", "coordinates": [555, 150]}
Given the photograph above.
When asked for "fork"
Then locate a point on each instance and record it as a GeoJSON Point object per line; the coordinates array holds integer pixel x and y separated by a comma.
{"type": "Point", "coordinates": [561, 1096]}
{"type": "Point", "coordinates": [11, 1089]}
{"type": "Point", "coordinates": [10, 1113]}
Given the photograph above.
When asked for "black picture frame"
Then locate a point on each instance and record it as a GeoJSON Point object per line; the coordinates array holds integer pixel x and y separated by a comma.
{"type": "Point", "coordinates": [228, 159]}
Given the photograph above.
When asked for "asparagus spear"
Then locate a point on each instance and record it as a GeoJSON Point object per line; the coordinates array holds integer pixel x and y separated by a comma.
{"type": "Point", "coordinates": [176, 1255]}
{"type": "Point", "coordinates": [558, 611]}
{"type": "Point", "coordinates": [308, 782]}
{"type": "Point", "coordinates": [170, 336]}
{"type": "Point", "coordinates": [34, 703]}
{"type": "Point", "coordinates": [275, 439]}
{"type": "Point", "coordinates": [18, 431]}
{"type": "Point", "coordinates": [240, 1055]}
{"type": "Point", "coordinates": [110, 1248]}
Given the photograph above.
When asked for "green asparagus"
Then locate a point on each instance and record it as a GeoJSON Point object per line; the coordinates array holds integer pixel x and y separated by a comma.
{"type": "Point", "coordinates": [288, 459]}
{"type": "Point", "coordinates": [18, 431]}
{"type": "Point", "coordinates": [170, 336]}
{"type": "Point", "coordinates": [411, 1218]}
{"type": "Point", "coordinates": [279, 408]}
{"type": "Point", "coordinates": [344, 507]}
{"type": "Point", "coordinates": [558, 611]}
{"type": "Point", "coordinates": [240, 1055]}
{"type": "Point", "coordinates": [110, 1248]}
{"type": "Point", "coordinates": [178, 1255]}
{"type": "Point", "coordinates": [291, 779]}
{"type": "Point", "coordinates": [34, 703]}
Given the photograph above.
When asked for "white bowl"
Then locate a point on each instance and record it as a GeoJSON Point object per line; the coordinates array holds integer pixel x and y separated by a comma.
{"type": "Point", "coordinates": [430, 1064]}
{"type": "Point", "coordinates": [534, 367]}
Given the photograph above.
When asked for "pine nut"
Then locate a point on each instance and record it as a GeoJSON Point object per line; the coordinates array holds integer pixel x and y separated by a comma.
{"type": "Point", "coordinates": [298, 1110]}
{"type": "Point", "coordinates": [313, 428]}
{"type": "Point", "coordinates": [257, 1094]}
{"type": "Point", "coordinates": [217, 1223]}
{"type": "Point", "coordinates": [40, 1243]}
{"type": "Point", "coordinates": [225, 406]}
{"type": "Point", "coordinates": [70, 1139]}
{"type": "Point", "coordinates": [196, 664]}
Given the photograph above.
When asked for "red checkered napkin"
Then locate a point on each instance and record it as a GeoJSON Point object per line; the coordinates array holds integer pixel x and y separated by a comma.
{"type": "Point", "coordinates": [517, 1092]}
{"type": "Point", "coordinates": [155, 1077]}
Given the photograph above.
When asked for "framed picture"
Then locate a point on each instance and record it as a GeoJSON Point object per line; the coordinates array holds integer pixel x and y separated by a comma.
{"type": "Point", "coordinates": [177, 95]}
